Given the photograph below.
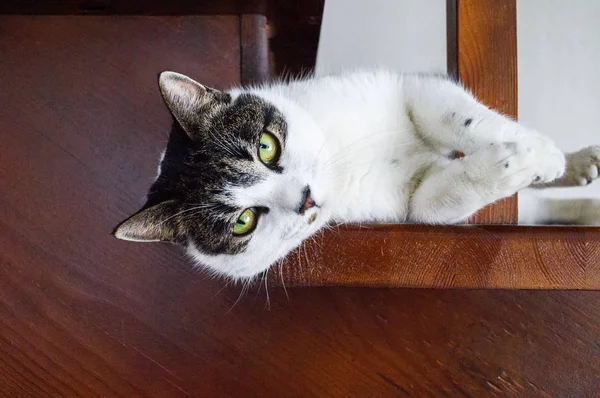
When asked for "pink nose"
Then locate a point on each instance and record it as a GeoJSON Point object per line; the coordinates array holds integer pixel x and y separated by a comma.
{"type": "Point", "coordinates": [306, 202]}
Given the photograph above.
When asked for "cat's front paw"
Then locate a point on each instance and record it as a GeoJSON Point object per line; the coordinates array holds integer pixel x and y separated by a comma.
{"type": "Point", "coordinates": [583, 166]}
{"type": "Point", "coordinates": [502, 169]}
{"type": "Point", "coordinates": [550, 161]}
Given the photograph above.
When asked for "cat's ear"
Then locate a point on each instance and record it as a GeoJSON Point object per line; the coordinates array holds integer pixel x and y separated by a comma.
{"type": "Point", "coordinates": [189, 100]}
{"type": "Point", "coordinates": [153, 224]}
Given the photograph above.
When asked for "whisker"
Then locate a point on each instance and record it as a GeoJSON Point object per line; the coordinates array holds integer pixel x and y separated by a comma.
{"type": "Point", "coordinates": [245, 285]}
{"type": "Point", "coordinates": [282, 281]}
{"type": "Point", "coordinates": [179, 213]}
{"type": "Point", "coordinates": [220, 290]}
{"type": "Point", "coordinates": [305, 253]}
{"type": "Point", "coordinates": [266, 278]}
{"type": "Point", "coordinates": [299, 260]}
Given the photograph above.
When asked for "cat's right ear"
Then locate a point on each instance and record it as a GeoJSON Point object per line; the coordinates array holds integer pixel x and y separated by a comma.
{"type": "Point", "coordinates": [189, 100]}
{"type": "Point", "coordinates": [153, 224]}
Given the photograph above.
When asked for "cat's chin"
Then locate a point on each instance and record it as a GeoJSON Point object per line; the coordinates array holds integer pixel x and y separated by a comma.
{"type": "Point", "coordinates": [250, 264]}
{"type": "Point", "coordinates": [232, 267]}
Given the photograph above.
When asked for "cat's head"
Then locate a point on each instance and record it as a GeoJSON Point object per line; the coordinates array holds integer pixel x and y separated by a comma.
{"type": "Point", "coordinates": [239, 185]}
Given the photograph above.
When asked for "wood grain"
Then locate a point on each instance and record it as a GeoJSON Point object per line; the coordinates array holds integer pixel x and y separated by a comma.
{"type": "Point", "coordinates": [82, 126]}
{"type": "Point", "coordinates": [497, 257]}
{"type": "Point", "coordinates": [487, 65]}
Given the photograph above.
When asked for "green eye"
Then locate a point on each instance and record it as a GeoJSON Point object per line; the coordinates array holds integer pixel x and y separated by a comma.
{"type": "Point", "coordinates": [268, 148]}
{"type": "Point", "coordinates": [245, 223]}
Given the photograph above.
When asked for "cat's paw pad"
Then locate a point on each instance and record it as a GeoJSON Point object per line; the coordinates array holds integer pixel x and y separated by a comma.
{"type": "Point", "coordinates": [583, 166]}
{"type": "Point", "coordinates": [503, 168]}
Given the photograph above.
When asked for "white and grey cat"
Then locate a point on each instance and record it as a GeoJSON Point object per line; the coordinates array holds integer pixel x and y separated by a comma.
{"type": "Point", "coordinates": [250, 173]}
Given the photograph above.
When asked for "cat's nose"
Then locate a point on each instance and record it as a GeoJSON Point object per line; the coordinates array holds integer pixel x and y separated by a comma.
{"type": "Point", "coordinates": [306, 202]}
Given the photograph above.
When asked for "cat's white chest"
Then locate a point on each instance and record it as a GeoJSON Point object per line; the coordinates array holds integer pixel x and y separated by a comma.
{"type": "Point", "coordinates": [379, 162]}
{"type": "Point", "coordinates": [376, 154]}
{"type": "Point", "coordinates": [380, 188]}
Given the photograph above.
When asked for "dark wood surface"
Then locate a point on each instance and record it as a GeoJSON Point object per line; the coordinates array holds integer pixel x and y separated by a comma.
{"type": "Point", "coordinates": [254, 49]}
{"type": "Point", "coordinates": [452, 38]}
{"type": "Point", "coordinates": [82, 126]}
{"type": "Point", "coordinates": [296, 26]}
{"type": "Point", "coordinates": [137, 7]}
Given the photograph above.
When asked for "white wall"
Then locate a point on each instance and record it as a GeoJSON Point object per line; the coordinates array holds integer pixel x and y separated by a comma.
{"type": "Point", "coordinates": [406, 35]}
{"type": "Point", "coordinates": [559, 74]}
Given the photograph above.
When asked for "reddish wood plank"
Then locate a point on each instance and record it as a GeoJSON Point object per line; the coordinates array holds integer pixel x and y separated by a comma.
{"type": "Point", "coordinates": [487, 65]}
{"type": "Point", "coordinates": [497, 257]}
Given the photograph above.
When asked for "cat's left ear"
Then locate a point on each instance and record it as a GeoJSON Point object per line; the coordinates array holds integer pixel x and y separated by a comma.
{"type": "Point", "coordinates": [188, 100]}
{"type": "Point", "coordinates": [153, 224]}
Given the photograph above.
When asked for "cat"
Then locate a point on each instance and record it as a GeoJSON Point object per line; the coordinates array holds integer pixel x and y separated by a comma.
{"type": "Point", "coordinates": [250, 173]}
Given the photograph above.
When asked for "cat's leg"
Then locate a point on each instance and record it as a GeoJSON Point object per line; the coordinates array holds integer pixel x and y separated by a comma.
{"type": "Point", "coordinates": [452, 192]}
{"type": "Point", "coordinates": [582, 169]}
{"type": "Point", "coordinates": [445, 115]}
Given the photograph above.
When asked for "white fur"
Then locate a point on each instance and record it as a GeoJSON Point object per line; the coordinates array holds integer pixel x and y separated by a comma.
{"type": "Point", "coordinates": [360, 140]}
{"type": "Point", "coordinates": [159, 168]}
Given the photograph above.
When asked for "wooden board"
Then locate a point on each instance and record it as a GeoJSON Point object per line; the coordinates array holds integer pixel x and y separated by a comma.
{"type": "Point", "coordinates": [487, 65]}
{"type": "Point", "coordinates": [473, 257]}
{"type": "Point", "coordinates": [254, 49]}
